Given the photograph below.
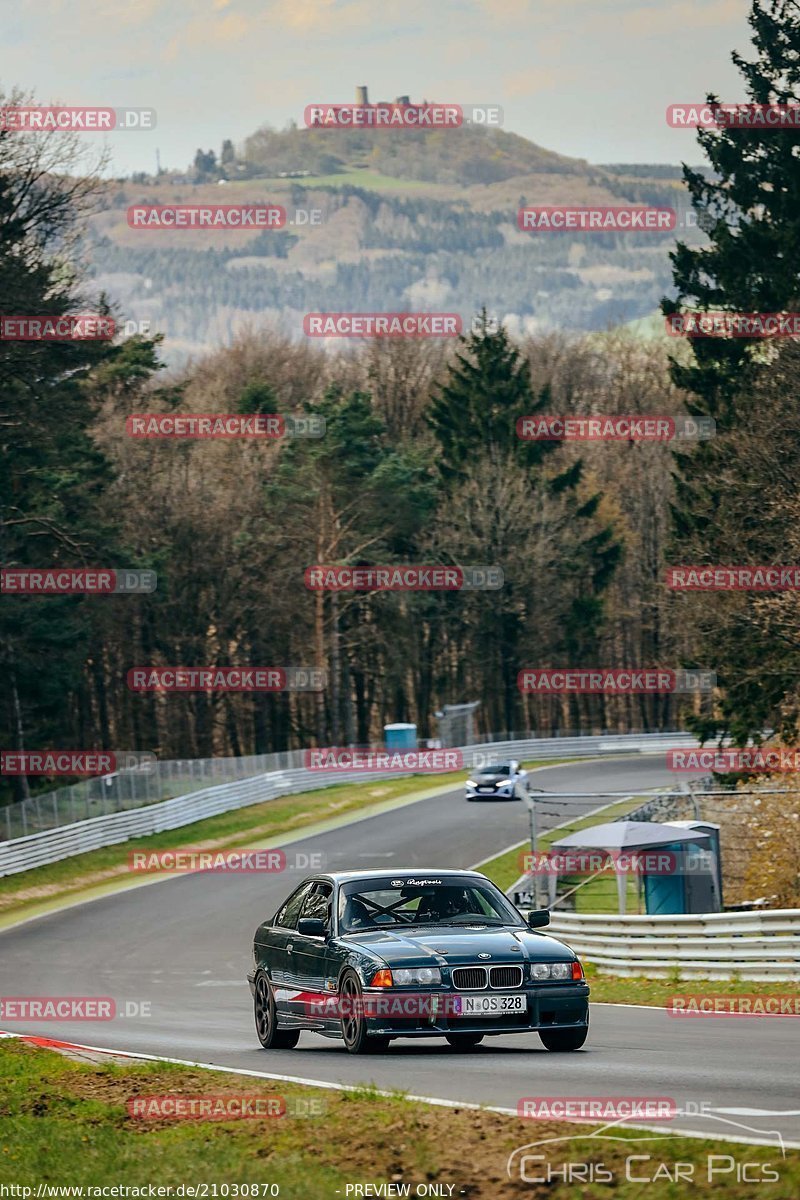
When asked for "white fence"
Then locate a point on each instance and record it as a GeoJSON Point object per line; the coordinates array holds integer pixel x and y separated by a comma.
{"type": "Point", "coordinates": [65, 841]}
{"type": "Point", "coordinates": [754, 946]}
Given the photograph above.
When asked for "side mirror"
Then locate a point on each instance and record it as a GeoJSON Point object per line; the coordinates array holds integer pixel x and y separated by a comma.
{"type": "Point", "coordinates": [538, 918]}
{"type": "Point", "coordinates": [312, 927]}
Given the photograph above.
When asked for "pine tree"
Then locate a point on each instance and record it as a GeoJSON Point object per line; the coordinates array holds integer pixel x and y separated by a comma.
{"type": "Point", "coordinates": [476, 409]}
{"type": "Point", "coordinates": [748, 205]}
{"type": "Point", "coordinates": [474, 418]}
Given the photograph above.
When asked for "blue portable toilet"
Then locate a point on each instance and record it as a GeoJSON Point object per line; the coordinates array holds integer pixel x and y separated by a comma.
{"type": "Point", "coordinates": [698, 887]}
{"type": "Point", "coordinates": [400, 736]}
{"type": "Point", "coordinates": [665, 894]}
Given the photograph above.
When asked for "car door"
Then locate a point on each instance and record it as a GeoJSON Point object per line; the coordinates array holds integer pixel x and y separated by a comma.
{"type": "Point", "coordinates": [309, 956]}
{"type": "Point", "coordinates": [276, 950]}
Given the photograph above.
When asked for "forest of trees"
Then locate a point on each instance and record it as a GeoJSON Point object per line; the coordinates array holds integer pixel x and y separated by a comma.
{"type": "Point", "coordinates": [582, 535]}
{"type": "Point", "coordinates": [420, 464]}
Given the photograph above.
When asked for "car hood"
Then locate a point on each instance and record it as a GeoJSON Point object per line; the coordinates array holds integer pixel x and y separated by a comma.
{"type": "Point", "coordinates": [486, 780]}
{"type": "Point", "coordinates": [447, 945]}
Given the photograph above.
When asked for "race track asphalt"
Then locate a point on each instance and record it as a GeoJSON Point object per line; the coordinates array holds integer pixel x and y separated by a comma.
{"type": "Point", "coordinates": [183, 945]}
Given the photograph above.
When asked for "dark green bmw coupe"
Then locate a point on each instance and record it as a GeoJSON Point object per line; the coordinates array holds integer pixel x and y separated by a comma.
{"type": "Point", "coordinates": [368, 956]}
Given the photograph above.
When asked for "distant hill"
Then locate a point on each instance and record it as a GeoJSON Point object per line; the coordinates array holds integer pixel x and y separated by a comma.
{"type": "Point", "coordinates": [462, 156]}
{"type": "Point", "coordinates": [408, 220]}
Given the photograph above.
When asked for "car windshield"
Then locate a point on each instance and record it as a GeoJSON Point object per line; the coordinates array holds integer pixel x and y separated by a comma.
{"type": "Point", "coordinates": [500, 769]}
{"type": "Point", "coordinates": [385, 903]}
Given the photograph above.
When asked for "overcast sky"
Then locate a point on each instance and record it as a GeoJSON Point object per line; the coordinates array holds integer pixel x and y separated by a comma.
{"type": "Point", "coordinates": [589, 78]}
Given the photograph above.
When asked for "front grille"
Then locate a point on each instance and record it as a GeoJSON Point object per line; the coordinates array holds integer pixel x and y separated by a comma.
{"type": "Point", "coordinates": [469, 979]}
{"type": "Point", "coordinates": [505, 977]}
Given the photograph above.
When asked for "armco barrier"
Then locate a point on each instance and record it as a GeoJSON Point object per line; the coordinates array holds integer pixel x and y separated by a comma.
{"type": "Point", "coordinates": [753, 946]}
{"type": "Point", "coordinates": [65, 841]}
{"type": "Point", "coordinates": [164, 779]}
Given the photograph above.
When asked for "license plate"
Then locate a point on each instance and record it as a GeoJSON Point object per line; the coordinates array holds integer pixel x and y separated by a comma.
{"type": "Point", "coordinates": [492, 1004]}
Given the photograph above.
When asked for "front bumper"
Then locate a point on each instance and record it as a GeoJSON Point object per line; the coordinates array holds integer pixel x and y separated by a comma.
{"type": "Point", "coordinates": [563, 1006]}
{"type": "Point", "coordinates": [474, 794]}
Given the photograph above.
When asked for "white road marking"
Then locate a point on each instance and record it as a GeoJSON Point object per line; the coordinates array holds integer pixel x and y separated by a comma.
{"type": "Point", "coordinates": [759, 1112]}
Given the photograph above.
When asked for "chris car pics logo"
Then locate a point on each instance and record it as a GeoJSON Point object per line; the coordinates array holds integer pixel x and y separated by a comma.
{"type": "Point", "coordinates": [577, 1159]}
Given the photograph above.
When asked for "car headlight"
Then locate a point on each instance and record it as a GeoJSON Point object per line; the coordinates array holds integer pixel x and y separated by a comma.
{"type": "Point", "coordinates": [561, 970]}
{"type": "Point", "coordinates": [424, 976]}
{"type": "Point", "coordinates": [555, 970]}
{"type": "Point", "coordinates": [470, 783]}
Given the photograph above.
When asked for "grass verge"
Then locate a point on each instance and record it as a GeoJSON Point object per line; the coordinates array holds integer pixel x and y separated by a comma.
{"type": "Point", "coordinates": [67, 1123]}
{"type": "Point", "coordinates": [616, 989]}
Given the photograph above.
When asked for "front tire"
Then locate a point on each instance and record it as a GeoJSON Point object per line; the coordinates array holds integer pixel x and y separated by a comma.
{"type": "Point", "coordinates": [267, 1031]}
{"type": "Point", "coordinates": [464, 1041]}
{"type": "Point", "coordinates": [562, 1040]}
{"type": "Point", "coordinates": [354, 1023]}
